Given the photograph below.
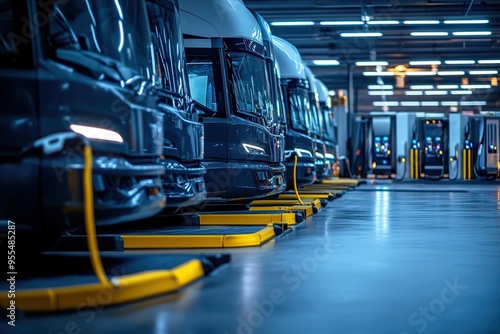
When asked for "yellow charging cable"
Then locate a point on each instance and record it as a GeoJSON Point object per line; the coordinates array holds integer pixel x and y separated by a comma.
{"type": "Point", "coordinates": [295, 160]}
{"type": "Point", "coordinates": [88, 207]}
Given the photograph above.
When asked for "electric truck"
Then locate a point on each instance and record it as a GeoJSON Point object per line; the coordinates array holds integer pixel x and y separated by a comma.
{"type": "Point", "coordinates": [76, 67]}
{"type": "Point", "coordinates": [295, 89]}
{"type": "Point", "coordinates": [227, 75]}
{"type": "Point", "coordinates": [183, 182]}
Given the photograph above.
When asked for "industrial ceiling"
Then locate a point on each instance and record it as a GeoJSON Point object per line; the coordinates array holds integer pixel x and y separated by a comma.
{"type": "Point", "coordinates": [433, 56]}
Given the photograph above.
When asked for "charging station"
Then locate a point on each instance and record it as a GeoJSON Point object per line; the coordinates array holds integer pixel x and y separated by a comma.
{"type": "Point", "coordinates": [484, 136]}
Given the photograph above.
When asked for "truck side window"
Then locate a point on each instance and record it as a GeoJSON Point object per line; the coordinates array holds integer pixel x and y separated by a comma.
{"type": "Point", "coordinates": [202, 84]}
{"type": "Point", "coordinates": [7, 43]}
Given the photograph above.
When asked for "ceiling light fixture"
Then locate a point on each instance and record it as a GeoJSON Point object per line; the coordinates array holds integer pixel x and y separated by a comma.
{"type": "Point", "coordinates": [414, 92]}
{"type": "Point", "coordinates": [421, 22]}
{"type": "Point", "coordinates": [475, 86]}
{"type": "Point", "coordinates": [372, 63]}
{"type": "Point", "coordinates": [489, 61]}
{"type": "Point", "coordinates": [461, 92]}
{"type": "Point", "coordinates": [292, 23]}
{"type": "Point", "coordinates": [447, 86]}
{"type": "Point", "coordinates": [451, 72]}
{"type": "Point", "coordinates": [421, 87]}
{"type": "Point", "coordinates": [373, 87]}
{"type": "Point", "coordinates": [436, 92]}
{"type": "Point", "coordinates": [471, 33]}
{"type": "Point", "coordinates": [410, 104]}
{"type": "Point", "coordinates": [425, 62]}
{"type": "Point", "coordinates": [459, 62]}
{"type": "Point", "coordinates": [325, 62]}
{"type": "Point", "coordinates": [421, 73]}
{"type": "Point", "coordinates": [380, 92]}
{"type": "Point", "coordinates": [428, 33]}
{"type": "Point", "coordinates": [472, 103]}
{"type": "Point", "coordinates": [386, 103]}
{"type": "Point", "coordinates": [430, 104]}
{"type": "Point", "coordinates": [361, 34]}
{"type": "Point", "coordinates": [449, 103]}
{"type": "Point", "coordinates": [383, 22]}
{"type": "Point", "coordinates": [466, 21]}
{"type": "Point", "coordinates": [341, 23]}
{"type": "Point", "coordinates": [484, 72]}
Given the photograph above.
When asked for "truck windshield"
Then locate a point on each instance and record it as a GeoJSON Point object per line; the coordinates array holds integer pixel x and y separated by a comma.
{"type": "Point", "coordinates": [169, 55]}
{"type": "Point", "coordinates": [114, 32]}
{"type": "Point", "coordinates": [328, 121]}
{"type": "Point", "coordinates": [314, 114]}
{"type": "Point", "coordinates": [299, 109]}
{"type": "Point", "coordinates": [251, 87]}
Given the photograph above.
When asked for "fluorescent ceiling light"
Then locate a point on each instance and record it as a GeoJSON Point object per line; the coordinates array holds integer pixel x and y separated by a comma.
{"type": "Point", "coordinates": [472, 103]}
{"type": "Point", "coordinates": [475, 86]}
{"type": "Point", "coordinates": [449, 103]}
{"type": "Point", "coordinates": [465, 21]}
{"type": "Point", "coordinates": [447, 86]}
{"type": "Point", "coordinates": [421, 87]}
{"type": "Point", "coordinates": [429, 33]}
{"type": "Point", "coordinates": [430, 104]}
{"type": "Point", "coordinates": [471, 33]}
{"type": "Point", "coordinates": [325, 62]}
{"type": "Point", "coordinates": [425, 62]}
{"type": "Point", "coordinates": [483, 72]}
{"type": "Point", "coordinates": [384, 22]}
{"type": "Point", "coordinates": [92, 132]}
{"type": "Point", "coordinates": [489, 61]}
{"type": "Point", "coordinates": [410, 104]}
{"type": "Point", "coordinates": [380, 86]}
{"type": "Point", "coordinates": [292, 23]}
{"type": "Point", "coordinates": [420, 73]}
{"type": "Point", "coordinates": [380, 92]}
{"type": "Point", "coordinates": [459, 62]}
{"type": "Point", "coordinates": [372, 74]}
{"type": "Point", "coordinates": [372, 63]}
{"type": "Point", "coordinates": [386, 103]}
{"type": "Point", "coordinates": [414, 92]}
{"type": "Point", "coordinates": [451, 72]}
{"type": "Point", "coordinates": [461, 92]}
{"type": "Point", "coordinates": [341, 23]}
{"type": "Point", "coordinates": [421, 22]}
{"type": "Point", "coordinates": [436, 92]}
{"type": "Point", "coordinates": [361, 34]}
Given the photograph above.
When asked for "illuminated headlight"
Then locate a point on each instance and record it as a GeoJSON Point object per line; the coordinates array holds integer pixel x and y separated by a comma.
{"type": "Point", "coordinates": [319, 155]}
{"type": "Point", "coordinates": [91, 132]}
{"type": "Point", "coordinates": [252, 149]}
{"type": "Point", "coordinates": [303, 153]}
{"type": "Point", "coordinates": [329, 156]}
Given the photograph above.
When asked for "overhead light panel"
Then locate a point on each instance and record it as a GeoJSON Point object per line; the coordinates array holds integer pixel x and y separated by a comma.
{"type": "Point", "coordinates": [475, 86]}
{"type": "Point", "coordinates": [489, 61]}
{"type": "Point", "coordinates": [292, 23]}
{"type": "Point", "coordinates": [380, 87]}
{"type": "Point", "coordinates": [383, 22]}
{"type": "Point", "coordinates": [449, 103]}
{"type": "Point", "coordinates": [341, 23]}
{"type": "Point", "coordinates": [360, 34]}
{"type": "Point", "coordinates": [447, 86]}
{"type": "Point", "coordinates": [422, 87]}
{"type": "Point", "coordinates": [380, 92]}
{"type": "Point", "coordinates": [374, 73]}
{"type": "Point", "coordinates": [326, 62]}
{"type": "Point", "coordinates": [461, 92]}
{"type": "Point", "coordinates": [421, 22]}
{"type": "Point", "coordinates": [459, 62]}
{"type": "Point", "coordinates": [372, 63]}
{"type": "Point", "coordinates": [428, 33]}
{"type": "Point", "coordinates": [430, 104]}
{"type": "Point", "coordinates": [425, 62]}
{"type": "Point", "coordinates": [451, 72]}
{"type": "Point", "coordinates": [414, 92]}
{"type": "Point", "coordinates": [386, 103]}
{"type": "Point", "coordinates": [472, 103]}
{"type": "Point", "coordinates": [421, 73]}
{"type": "Point", "coordinates": [466, 21]}
{"type": "Point", "coordinates": [471, 33]}
{"type": "Point", "coordinates": [410, 104]}
{"type": "Point", "coordinates": [436, 92]}
{"type": "Point", "coordinates": [484, 72]}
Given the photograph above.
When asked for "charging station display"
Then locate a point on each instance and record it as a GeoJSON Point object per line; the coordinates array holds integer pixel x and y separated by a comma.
{"type": "Point", "coordinates": [434, 147]}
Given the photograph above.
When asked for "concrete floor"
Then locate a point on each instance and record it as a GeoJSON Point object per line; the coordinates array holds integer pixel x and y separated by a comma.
{"type": "Point", "coordinates": [386, 258]}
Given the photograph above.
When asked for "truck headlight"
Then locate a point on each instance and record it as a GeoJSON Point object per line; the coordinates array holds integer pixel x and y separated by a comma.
{"type": "Point", "coordinates": [92, 132]}
{"type": "Point", "coordinates": [252, 149]}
